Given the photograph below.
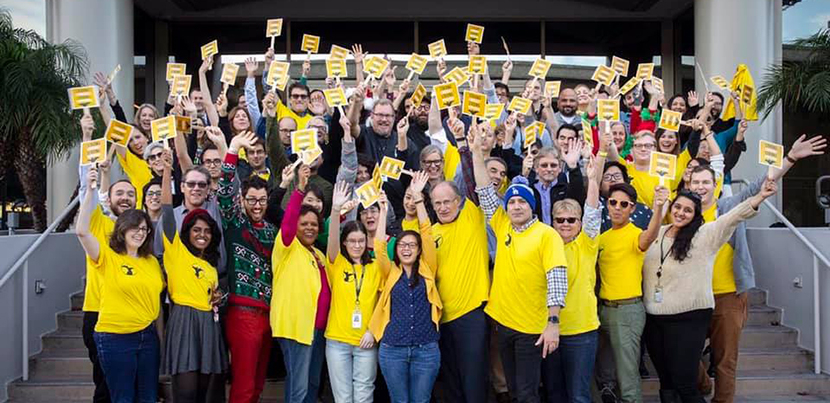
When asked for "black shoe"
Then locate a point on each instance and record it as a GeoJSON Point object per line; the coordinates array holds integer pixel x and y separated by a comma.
{"type": "Point", "coordinates": [503, 397]}
{"type": "Point", "coordinates": [607, 394]}
{"type": "Point", "coordinates": [643, 370]}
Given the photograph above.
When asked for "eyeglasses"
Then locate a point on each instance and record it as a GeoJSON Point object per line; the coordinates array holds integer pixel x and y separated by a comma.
{"type": "Point", "coordinates": [154, 194]}
{"type": "Point", "coordinates": [407, 245]}
{"type": "Point", "coordinates": [612, 177]}
{"type": "Point", "coordinates": [548, 165]}
{"type": "Point", "coordinates": [200, 185]}
{"type": "Point", "coordinates": [299, 96]}
{"type": "Point", "coordinates": [370, 211]}
{"type": "Point", "coordinates": [383, 115]}
{"type": "Point", "coordinates": [355, 242]}
{"type": "Point", "coordinates": [562, 220]}
{"type": "Point", "coordinates": [256, 152]}
{"type": "Point", "coordinates": [435, 163]}
{"type": "Point", "coordinates": [215, 161]}
{"type": "Point", "coordinates": [254, 201]}
{"type": "Point", "coordinates": [644, 146]}
{"type": "Point", "coordinates": [142, 229]}
{"type": "Point", "coordinates": [623, 203]}
{"type": "Point", "coordinates": [153, 157]}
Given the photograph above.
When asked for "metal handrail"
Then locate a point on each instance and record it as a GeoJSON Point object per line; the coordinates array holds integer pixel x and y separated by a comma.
{"type": "Point", "coordinates": [817, 256]}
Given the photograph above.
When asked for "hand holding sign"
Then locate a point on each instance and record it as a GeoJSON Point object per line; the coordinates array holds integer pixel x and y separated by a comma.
{"type": "Point", "coordinates": [663, 166]}
{"type": "Point", "coordinates": [119, 132]}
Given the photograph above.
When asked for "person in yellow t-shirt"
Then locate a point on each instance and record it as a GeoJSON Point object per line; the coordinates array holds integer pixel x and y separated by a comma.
{"type": "Point", "coordinates": [351, 355]}
{"type": "Point", "coordinates": [621, 254]}
{"type": "Point", "coordinates": [195, 354]}
{"type": "Point", "coordinates": [126, 341]}
{"type": "Point", "coordinates": [298, 101]}
{"type": "Point", "coordinates": [141, 171]}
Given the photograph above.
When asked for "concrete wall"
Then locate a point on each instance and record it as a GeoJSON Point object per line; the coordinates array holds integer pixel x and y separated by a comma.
{"type": "Point", "coordinates": [59, 262]}
{"type": "Point", "coordinates": [779, 257]}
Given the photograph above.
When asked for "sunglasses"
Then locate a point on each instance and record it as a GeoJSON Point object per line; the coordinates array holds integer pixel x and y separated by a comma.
{"type": "Point", "coordinates": [623, 203]}
{"type": "Point", "coordinates": [562, 220]}
{"type": "Point", "coordinates": [200, 185]}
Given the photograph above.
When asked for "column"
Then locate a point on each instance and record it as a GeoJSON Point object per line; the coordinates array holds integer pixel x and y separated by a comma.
{"type": "Point", "coordinates": [105, 29]}
{"type": "Point", "coordinates": [670, 58]}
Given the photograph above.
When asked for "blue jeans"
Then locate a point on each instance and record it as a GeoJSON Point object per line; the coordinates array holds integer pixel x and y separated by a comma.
{"type": "Point", "coordinates": [410, 372]}
{"type": "Point", "coordinates": [352, 371]}
{"type": "Point", "coordinates": [567, 373]}
{"type": "Point", "coordinates": [303, 365]}
{"type": "Point", "coordinates": [131, 364]}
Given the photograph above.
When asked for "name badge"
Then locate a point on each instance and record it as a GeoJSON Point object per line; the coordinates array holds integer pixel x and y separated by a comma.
{"type": "Point", "coordinates": [658, 295]}
{"type": "Point", "coordinates": [357, 319]}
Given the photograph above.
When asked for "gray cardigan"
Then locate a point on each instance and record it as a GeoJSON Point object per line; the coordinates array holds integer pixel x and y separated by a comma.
{"type": "Point", "coordinates": [742, 261]}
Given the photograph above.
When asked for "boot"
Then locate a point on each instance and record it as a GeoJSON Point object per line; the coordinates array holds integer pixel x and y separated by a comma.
{"type": "Point", "coordinates": [669, 396]}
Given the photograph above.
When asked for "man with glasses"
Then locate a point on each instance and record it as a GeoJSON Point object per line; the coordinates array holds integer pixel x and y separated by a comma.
{"type": "Point", "coordinates": [380, 140]}
{"type": "Point", "coordinates": [419, 125]}
{"type": "Point", "coordinates": [256, 163]}
{"type": "Point", "coordinates": [550, 184]}
{"type": "Point", "coordinates": [298, 101]}
{"type": "Point", "coordinates": [615, 173]}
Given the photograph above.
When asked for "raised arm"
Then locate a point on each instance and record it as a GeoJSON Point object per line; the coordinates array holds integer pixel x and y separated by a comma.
{"type": "Point", "coordinates": [661, 194]}
{"type": "Point", "coordinates": [355, 106]}
{"type": "Point", "coordinates": [82, 230]}
{"type": "Point", "coordinates": [210, 109]}
{"type": "Point", "coordinates": [802, 148]}
{"type": "Point", "coordinates": [434, 117]}
{"type": "Point", "coordinates": [592, 215]}
{"type": "Point", "coordinates": [357, 50]}
{"type": "Point", "coordinates": [339, 197]}
{"type": "Point", "coordinates": [168, 221]}
{"type": "Point", "coordinates": [488, 199]}
{"type": "Point", "coordinates": [291, 219]}
{"type": "Point", "coordinates": [506, 70]}
{"type": "Point", "coordinates": [383, 258]}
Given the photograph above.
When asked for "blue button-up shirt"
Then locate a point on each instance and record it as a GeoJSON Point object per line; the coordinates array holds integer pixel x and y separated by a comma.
{"type": "Point", "coordinates": [410, 321]}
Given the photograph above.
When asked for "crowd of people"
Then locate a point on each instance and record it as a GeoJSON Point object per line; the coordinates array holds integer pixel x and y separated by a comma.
{"type": "Point", "coordinates": [529, 273]}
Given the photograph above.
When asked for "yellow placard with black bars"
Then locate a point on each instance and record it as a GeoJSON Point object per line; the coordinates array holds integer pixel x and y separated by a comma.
{"type": "Point", "coordinates": [181, 85]}
{"type": "Point", "coordinates": [587, 133]}
{"type": "Point", "coordinates": [277, 72]}
{"type": "Point", "coordinates": [229, 72]}
{"type": "Point", "coordinates": [670, 120]}
{"type": "Point", "coordinates": [310, 44]}
{"type": "Point", "coordinates": [629, 85]}
{"type": "Point", "coordinates": [336, 68]}
{"type": "Point", "coordinates": [620, 65]}
{"type": "Point", "coordinates": [520, 105]}
{"type": "Point", "coordinates": [184, 124]}
{"type": "Point", "coordinates": [83, 97]}
{"type": "Point", "coordinates": [447, 95]}
{"type": "Point", "coordinates": [645, 71]}
{"type": "Point", "coordinates": [745, 95]}
{"type": "Point", "coordinates": [663, 165]}
{"type": "Point", "coordinates": [418, 95]}
{"type": "Point", "coordinates": [210, 49]}
{"type": "Point", "coordinates": [608, 109]}
{"type": "Point", "coordinates": [302, 140]}
{"type": "Point", "coordinates": [368, 194]}
{"type": "Point", "coordinates": [416, 63]}
{"type": "Point", "coordinates": [539, 69]}
{"type": "Point", "coordinates": [163, 128]}
{"type": "Point", "coordinates": [457, 75]}
{"type": "Point", "coordinates": [532, 132]}
{"type": "Point", "coordinates": [174, 69]}
{"type": "Point", "coordinates": [604, 74]}
{"type": "Point", "coordinates": [273, 27]}
{"type": "Point", "coordinates": [770, 154]}
{"type": "Point", "coordinates": [311, 155]}
{"type": "Point", "coordinates": [720, 82]}
{"type": "Point", "coordinates": [477, 64]}
{"type": "Point", "coordinates": [94, 151]}
{"type": "Point", "coordinates": [493, 111]}
{"type": "Point", "coordinates": [474, 104]}
{"type": "Point", "coordinates": [377, 178]}
{"type": "Point", "coordinates": [391, 168]}
{"type": "Point", "coordinates": [552, 88]}
{"type": "Point", "coordinates": [119, 132]}
{"type": "Point", "coordinates": [658, 84]}
{"type": "Point", "coordinates": [375, 66]}
{"type": "Point", "coordinates": [437, 49]}
{"type": "Point", "coordinates": [338, 52]}
{"type": "Point", "coordinates": [475, 33]}
{"type": "Point", "coordinates": [336, 97]}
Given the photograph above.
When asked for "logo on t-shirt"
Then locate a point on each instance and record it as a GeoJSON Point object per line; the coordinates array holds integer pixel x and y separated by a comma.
{"type": "Point", "coordinates": [128, 270]}
{"type": "Point", "coordinates": [198, 271]}
{"type": "Point", "coordinates": [347, 277]}
{"type": "Point", "coordinates": [508, 240]}
{"type": "Point", "coordinates": [438, 241]}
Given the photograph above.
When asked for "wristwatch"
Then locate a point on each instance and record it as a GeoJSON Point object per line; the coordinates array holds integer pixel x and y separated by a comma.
{"type": "Point", "coordinates": [553, 319]}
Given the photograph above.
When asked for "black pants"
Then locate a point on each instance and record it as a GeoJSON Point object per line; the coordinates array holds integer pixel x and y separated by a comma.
{"type": "Point", "coordinates": [102, 394]}
{"type": "Point", "coordinates": [465, 363]}
{"type": "Point", "coordinates": [674, 344]}
{"type": "Point", "coordinates": [522, 361]}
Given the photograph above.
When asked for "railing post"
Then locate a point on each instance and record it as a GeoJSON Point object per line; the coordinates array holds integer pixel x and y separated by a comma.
{"type": "Point", "coordinates": [816, 317]}
{"type": "Point", "coordinates": [26, 320]}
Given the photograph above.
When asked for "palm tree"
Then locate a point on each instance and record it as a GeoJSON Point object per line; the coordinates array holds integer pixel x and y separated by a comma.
{"type": "Point", "coordinates": [36, 125]}
{"type": "Point", "coordinates": [803, 84]}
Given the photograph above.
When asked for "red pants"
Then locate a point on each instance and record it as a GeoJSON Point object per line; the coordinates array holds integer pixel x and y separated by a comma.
{"type": "Point", "coordinates": [248, 331]}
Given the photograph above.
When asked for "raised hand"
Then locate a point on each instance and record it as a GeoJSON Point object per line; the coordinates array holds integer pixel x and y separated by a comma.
{"type": "Point", "coordinates": [222, 105]}
{"type": "Point", "coordinates": [215, 135]}
{"type": "Point", "coordinates": [288, 174]}
{"type": "Point", "coordinates": [346, 124]}
{"type": "Point", "coordinates": [769, 188]}
{"type": "Point", "coordinates": [527, 165]}
{"type": "Point", "coordinates": [383, 201]}
{"type": "Point", "coordinates": [206, 65]}
{"type": "Point", "coordinates": [357, 50]}
{"type": "Point", "coordinates": [591, 168]}
{"type": "Point", "coordinates": [742, 130]}
{"type": "Point", "coordinates": [87, 127]}
{"type": "Point", "coordinates": [691, 98]}
{"type": "Point", "coordinates": [803, 147]}
{"type": "Point", "coordinates": [441, 68]}
{"type": "Point", "coordinates": [188, 106]}
{"type": "Point", "coordinates": [419, 181]}
{"type": "Point", "coordinates": [251, 66]}
{"type": "Point", "coordinates": [302, 176]}
{"type": "Point", "coordinates": [404, 88]}
{"type": "Point", "coordinates": [661, 195]}
{"type": "Point", "coordinates": [269, 57]}
{"type": "Point", "coordinates": [389, 77]}
{"type": "Point", "coordinates": [269, 105]}
{"type": "Point", "coordinates": [507, 66]}
{"type": "Point", "coordinates": [92, 177]}
{"type": "Point", "coordinates": [306, 67]}
{"type": "Point", "coordinates": [245, 139]}
{"type": "Point", "coordinates": [572, 154]}
{"type": "Point", "coordinates": [167, 159]}
{"type": "Point", "coordinates": [403, 126]}
{"type": "Point", "coordinates": [340, 196]}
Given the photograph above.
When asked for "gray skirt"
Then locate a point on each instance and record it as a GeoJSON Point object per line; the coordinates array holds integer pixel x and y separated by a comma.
{"type": "Point", "coordinates": [193, 343]}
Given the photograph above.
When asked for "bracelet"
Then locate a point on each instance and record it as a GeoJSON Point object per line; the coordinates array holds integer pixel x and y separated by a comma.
{"type": "Point", "coordinates": [790, 159]}
{"type": "Point", "coordinates": [602, 154]}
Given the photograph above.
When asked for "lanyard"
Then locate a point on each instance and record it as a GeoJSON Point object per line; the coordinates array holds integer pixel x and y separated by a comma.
{"type": "Point", "coordinates": [358, 284]}
{"type": "Point", "coordinates": [663, 257]}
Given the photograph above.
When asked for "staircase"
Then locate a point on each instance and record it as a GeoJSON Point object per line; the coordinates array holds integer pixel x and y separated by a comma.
{"type": "Point", "coordinates": [771, 366]}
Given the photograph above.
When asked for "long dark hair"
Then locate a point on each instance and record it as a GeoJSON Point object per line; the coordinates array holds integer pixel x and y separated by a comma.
{"type": "Point", "coordinates": [683, 240]}
{"type": "Point", "coordinates": [348, 228]}
{"type": "Point", "coordinates": [415, 277]}
{"type": "Point", "coordinates": [211, 252]}
{"type": "Point", "coordinates": [132, 219]}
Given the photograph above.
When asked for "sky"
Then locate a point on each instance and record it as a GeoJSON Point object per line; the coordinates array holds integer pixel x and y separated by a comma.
{"type": "Point", "coordinates": [28, 14]}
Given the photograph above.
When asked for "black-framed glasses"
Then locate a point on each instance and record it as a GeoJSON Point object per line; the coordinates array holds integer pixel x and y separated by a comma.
{"type": "Point", "coordinates": [562, 220]}
{"type": "Point", "coordinates": [156, 193]}
{"type": "Point", "coordinates": [434, 163]}
{"type": "Point", "coordinates": [612, 177]}
{"type": "Point", "coordinates": [254, 201]}
{"type": "Point", "coordinates": [623, 203]}
{"type": "Point", "coordinates": [215, 161]}
{"type": "Point", "coordinates": [200, 185]}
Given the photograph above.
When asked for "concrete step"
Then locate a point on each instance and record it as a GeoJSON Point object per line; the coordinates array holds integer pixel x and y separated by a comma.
{"type": "Point", "coordinates": [71, 321]}
{"type": "Point", "coordinates": [73, 390]}
{"type": "Point", "coordinates": [57, 367]}
{"type": "Point", "coordinates": [775, 359]}
{"type": "Point", "coordinates": [768, 337]}
{"type": "Point", "coordinates": [763, 315]}
{"type": "Point", "coordinates": [77, 301]}
{"type": "Point", "coordinates": [757, 296]}
{"type": "Point", "coordinates": [768, 383]}
{"type": "Point", "coordinates": [62, 340]}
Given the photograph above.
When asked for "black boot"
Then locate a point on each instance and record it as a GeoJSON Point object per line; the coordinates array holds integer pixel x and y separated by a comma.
{"type": "Point", "coordinates": [669, 396]}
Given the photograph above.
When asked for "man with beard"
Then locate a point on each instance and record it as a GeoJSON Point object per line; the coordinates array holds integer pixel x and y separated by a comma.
{"type": "Point", "coordinates": [381, 139]}
{"type": "Point", "coordinates": [256, 163]}
{"type": "Point", "coordinates": [418, 126]}
{"type": "Point", "coordinates": [567, 108]}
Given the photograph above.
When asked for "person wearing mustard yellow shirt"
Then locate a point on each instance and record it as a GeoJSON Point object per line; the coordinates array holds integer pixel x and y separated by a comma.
{"type": "Point", "coordinates": [302, 297]}
{"type": "Point", "coordinates": [568, 372]}
{"type": "Point", "coordinates": [130, 295]}
{"type": "Point", "coordinates": [406, 318]}
{"type": "Point", "coordinates": [733, 273]}
{"type": "Point", "coordinates": [621, 253]}
{"type": "Point", "coordinates": [351, 356]}
{"type": "Point", "coordinates": [194, 352]}
{"type": "Point", "coordinates": [530, 281]}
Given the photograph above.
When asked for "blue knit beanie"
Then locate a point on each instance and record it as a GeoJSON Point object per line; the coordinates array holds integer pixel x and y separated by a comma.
{"type": "Point", "coordinates": [520, 190]}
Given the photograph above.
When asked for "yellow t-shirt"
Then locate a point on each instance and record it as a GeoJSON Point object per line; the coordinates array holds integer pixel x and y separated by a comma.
{"type": "Point", "coordinates": [190, 280]}
{"type": "Point", "coordinates": [621, 263]}
{"type": "Point", "coordinates": [451, 160]}
{"type": "Point", "coordinates": [644, 184]}
{"type": "Point", "coordinates": [100, 226]}
{"type": "Point", "coordinates": [297, 285]}
{"type": "Point", "coordinates": [344, 281]}
{"type": "Point", "coordinates": [410, 225]}
{"type": "Point", "coordinates": [580, 312]}
{"type": "Point", "coordinates": [283, 111]}
{"type": "Point", "coordinates": [723, 276]}
{"type": "Point", "coordinates": [138, 172]}
{"type": "Point", "coordinates": [682, 161]}
{"type": "Point", "coordinates": [131, 293]}
{"type": "Point", "coordinates": [518, 298]}
{"type": "Point", "coordinates": [463, 277]}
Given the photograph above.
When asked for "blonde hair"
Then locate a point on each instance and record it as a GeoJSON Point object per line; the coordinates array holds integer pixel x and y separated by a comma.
{"type": "Point", "coordinates": [569, 206]}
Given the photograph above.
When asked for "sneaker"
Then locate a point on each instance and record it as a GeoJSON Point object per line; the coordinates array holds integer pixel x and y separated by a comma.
{"type": "Point", "coordinates": [607, 394]}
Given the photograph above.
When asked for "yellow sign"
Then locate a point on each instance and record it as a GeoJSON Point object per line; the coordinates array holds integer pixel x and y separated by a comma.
{"type": "Point", "coordinates": [368, 194]}
{"type": "Point", "coordinates": [114, 72]}
{"type": "Point", "coordinates": [587, 133]}
{"type": "Point", "coordinates": [229, 72]}
{"type": "Point", "coordinates": [310, 43]}
{"type": "Point", "coordinates": [604, 74]}
{"type": "Point", "coordinates": [311, 155]}
{"type": "Point", "coordinates": [336, 68]}
{"type": "Point", "coordinates": [437, 49]}
{"type": "Point", "coordinates": [658, 84]}
{"type": "Point", "coordinates": [745, 94]}
{"type": "Point", "coordinates": [174, 69]}
{"type": "Point", "coordinates": [645, 70]}
{"type": "Point", "coordinates": [119, 132]}
{"type": "Point", "coordinates": [532, 132]}
{"type": "Point", "coordinates": [93, 152]}
{"type": "Point", "coordinates": [771, 154]}
{"type": "Point", "coordinates": [720, 82]}
{"type": "Point", "coordinates": [336, 97]}
{"type": "Point", "coordinates": [447, 95]}
{"type": "Point", "coordinates": [416, 63]}
{"type": "Point", "coordinates": [163, 128]}
{"type": "Point", "coordinates": [375, 66]}
{"type": "Point", "coordinates": [475, 33]}
{"type": "Point", "coordinates": [418, 95]}
{"type": "Point", "coordinates": [302, 140]}
{"type": "Point", "coordinates": [184, 125]}
{"type": "Point", "coordinates": [474, 104]}
{"type": "Point", "coordinates": [377, 179]}
{"type": "Point", "coordinates": [277, 72]}
{"type": "Point", "coordinates": [338, 52]}
{"type": "Point", "coordinates": [210, 49]}
{"type": "Point", "coordinates": [457, 75]}
{"type": "Point", "coordinates": [670, 120]}
{"type": "Point", "coordinates": [477, 64]}
{"type": "Point", "coordinates": [519, 105]}
{"type": "Point", "coordinates": [629, 85]}
{"type": "Point", "coordinates": [608, 109]}
{"type": "Point", "coordinates": [391, 168]}
{"type": "Point", "coordinates": [663, 165]}
{"type": "Point", "coordinates": [273, 27]}
{"type": "Point", "coordinates": [181, 84]}
{"type": "Point", "coordinates": [493, 111]}
{"type": "Point", "coordinates": [552, 89]}
{"type": "Point", "coordinates": [620, 65]}
{"type": "Point", "coordinates": [83, 97]}
{"type": "Point", "coordinates": [539, 69]}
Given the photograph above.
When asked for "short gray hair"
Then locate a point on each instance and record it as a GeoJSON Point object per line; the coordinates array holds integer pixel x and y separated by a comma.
{"type": "Point", "coordinates": [150, 147]}
{"type": "Point", "coordinates": [430, 149]}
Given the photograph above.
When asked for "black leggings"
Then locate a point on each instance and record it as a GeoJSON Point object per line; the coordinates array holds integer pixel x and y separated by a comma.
{"type": "Point", "coordinates": [194, 387]}
{"type": "Point", "coordinates": [674, 344]}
